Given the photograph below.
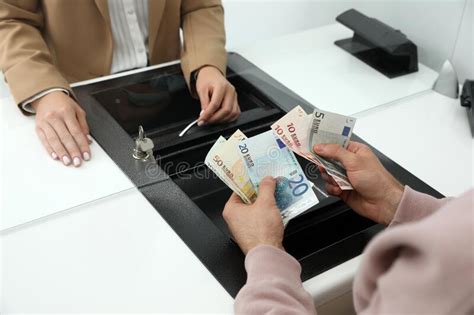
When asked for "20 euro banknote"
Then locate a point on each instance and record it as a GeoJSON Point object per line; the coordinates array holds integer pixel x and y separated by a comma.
{"type": "Point", "coordinates": [266, 155]}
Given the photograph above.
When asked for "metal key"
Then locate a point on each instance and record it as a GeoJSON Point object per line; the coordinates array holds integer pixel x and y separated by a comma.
{"type": "Point", "coordinates": [146, 145]}
{"type": "Point", "coordinates": [143, 146]}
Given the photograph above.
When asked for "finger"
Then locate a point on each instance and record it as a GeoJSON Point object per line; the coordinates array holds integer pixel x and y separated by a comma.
{"type": "Point", "coordinates": [266, 191]}
{"type": "Point", "coordinates": [81, 117]}
{"type": "Point", "coordinates": [204, 98]}
{"type": "Point", "coordinates": [328, 179]}
{"type": "Point", "coordinates": [335, 152]}
{"type": "Point", "coordinates": [218, 93]}
{"type": "Point", "coordinates": [236, 110]}
{"type": "Point", "coordinates": [56, 144]}
{"type": "Point", "coordinates": [235, 199]}
{"type": "Point", "coordinates": [46, 144]}
{"type": "Point", "coordinates": [224, 114]}
{"type": "Point", "coordinates": [333, 190]}
{"type": "Point", "coordinates": [325, 176]}
{"type": "Point", "coordinates": [73, 125]}
{"type": "Point", "coordinates": [354, 146]}
{"type": "Point", "coordinates": [68, 141]}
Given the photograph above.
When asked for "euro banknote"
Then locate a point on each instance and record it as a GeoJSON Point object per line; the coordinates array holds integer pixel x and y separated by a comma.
{"type": "Point", "coordinates": [301, 132]}
{"type": "Point", "coordinates": [241, 162]}
{"type": "Point", "coordinates": [214, 161]}
{"type": "Point", "coordinates": [235, 168]}
{"type": "Point", "coordinates": [267, 155]}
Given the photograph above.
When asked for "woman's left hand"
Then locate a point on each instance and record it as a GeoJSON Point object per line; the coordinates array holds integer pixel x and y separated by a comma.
{"type": "Point", "coordinates": [218, 97]}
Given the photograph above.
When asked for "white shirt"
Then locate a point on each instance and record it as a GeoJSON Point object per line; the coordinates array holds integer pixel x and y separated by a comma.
{"type": "Point", "coordinates": [129, 23]}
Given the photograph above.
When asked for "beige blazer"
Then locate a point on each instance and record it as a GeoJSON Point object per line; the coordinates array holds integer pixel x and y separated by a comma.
{"type": "Point", "coordinates": [51, 43]}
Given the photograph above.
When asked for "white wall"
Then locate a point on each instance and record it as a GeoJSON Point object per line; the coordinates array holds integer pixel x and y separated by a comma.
{"type": "Point", "coordinates": [464, 54]}
{"type": "Point", "coordinates": [432, 24]}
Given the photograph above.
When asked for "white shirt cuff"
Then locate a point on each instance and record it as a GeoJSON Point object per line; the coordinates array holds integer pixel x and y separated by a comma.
{"type": "Point", "coordinates": [26, 105]}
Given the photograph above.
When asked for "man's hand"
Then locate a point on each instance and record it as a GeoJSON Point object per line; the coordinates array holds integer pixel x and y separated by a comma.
{"type": "Point", "coordinates": [376, 193]}
{"type": "Point", "coordinates": [218, 97]}
{"type": "Point", "coordinates": [62, 128]}
{"type": "Point", "coordinates": [256, 224]}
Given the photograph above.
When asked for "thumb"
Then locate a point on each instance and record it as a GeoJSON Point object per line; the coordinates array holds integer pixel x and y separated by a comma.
{"type": "Point", "coordinates": [266, 191]}
{"type": "Point", "coordinates": [334, 152]}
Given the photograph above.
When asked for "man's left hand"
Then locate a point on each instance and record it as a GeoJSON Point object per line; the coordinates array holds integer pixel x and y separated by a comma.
{"type": "Point", "coordinates": [218, 97]}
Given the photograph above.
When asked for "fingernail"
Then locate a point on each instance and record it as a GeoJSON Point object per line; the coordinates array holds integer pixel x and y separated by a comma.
{"type": "Point", "coordinates": [66, 160]}
{"type": "Point", "coordinates": [201, 123]}
{"type": "Point", "coordinates": [319, 148]}
{"type": "Point", "coordinates": [202, 112]}
{"type": "Point", "coordinates": [89, 138]}
{"type": "Point", "coordinates": [54, 156]}
{"type": "Point", "coordinates": [76, 161]}
{"type": "Point", "coordinates": [86, 156]}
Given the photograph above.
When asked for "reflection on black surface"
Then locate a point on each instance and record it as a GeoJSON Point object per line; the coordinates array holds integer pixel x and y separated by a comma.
{"type": "Point", "coordinates": [161, 101]}
{"type": "Point", "coordinates": [164, 104]}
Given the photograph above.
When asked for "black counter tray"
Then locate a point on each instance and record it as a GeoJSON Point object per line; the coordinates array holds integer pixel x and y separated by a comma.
{"type": "Point", "coordinates": [182, 189]}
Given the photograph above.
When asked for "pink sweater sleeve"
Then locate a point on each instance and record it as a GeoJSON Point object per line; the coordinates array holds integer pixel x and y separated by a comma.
{"type": "Point", "coordinates": [273, 285]}
{"type": "Point", "coordinates": [415, 206]}
{"type": "Point", "coordinates": [422, 267]}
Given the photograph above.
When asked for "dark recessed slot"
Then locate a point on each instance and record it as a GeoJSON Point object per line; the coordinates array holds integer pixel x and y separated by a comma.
{"type": "Point", "coordinates": [328, 222]}
{"type": "Point", "coordinates": [321, 234]}
{"type": "Point", "coordinates": [202, 140]}
{"type": "Point", "coordinates": [191, 154]}
{"type": "Point", "coordinates": [164, 107]}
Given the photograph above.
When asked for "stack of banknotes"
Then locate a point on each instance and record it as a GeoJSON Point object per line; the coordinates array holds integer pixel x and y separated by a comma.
{"type": "Point", "coordinates": [241, 162]}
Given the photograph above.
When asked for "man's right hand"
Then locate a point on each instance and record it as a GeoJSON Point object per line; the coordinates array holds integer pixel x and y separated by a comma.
{"type": "Point", "coordinates": [376, 193]}
{"type": "Point", "coordinates": [257, 224]}
{"type": "Point", "coordinates": [62, 128]}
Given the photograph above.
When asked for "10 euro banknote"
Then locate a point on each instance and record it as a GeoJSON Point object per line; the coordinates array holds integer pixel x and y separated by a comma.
{"type": "Point", "coordinates": [301, 132]}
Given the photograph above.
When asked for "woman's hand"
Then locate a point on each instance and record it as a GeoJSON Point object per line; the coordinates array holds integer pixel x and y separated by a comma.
{"type": "Point", "coordinates": [62, 128]}
{"type": "Point", "coordinates": [376, 193]}
{"type": "Point", "coordinates": [256, 224]}
{"type": "Point", "coordinates": [218, 97]}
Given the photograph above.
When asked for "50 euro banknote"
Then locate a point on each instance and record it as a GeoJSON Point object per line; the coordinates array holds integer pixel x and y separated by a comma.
{"type": "Point", "coordinates": [216, 164]}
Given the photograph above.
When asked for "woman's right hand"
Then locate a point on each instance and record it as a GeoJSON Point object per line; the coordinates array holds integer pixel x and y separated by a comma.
{"type": "Point", "coordinates": [62, 128]}
{"type": "Point", "coordinates": [376, 193]}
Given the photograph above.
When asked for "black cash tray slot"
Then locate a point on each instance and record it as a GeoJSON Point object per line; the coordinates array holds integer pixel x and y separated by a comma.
{"type": "Point", "coordinates": [188, 195]}
{"type": "Point", "coordinates": [328, 222]}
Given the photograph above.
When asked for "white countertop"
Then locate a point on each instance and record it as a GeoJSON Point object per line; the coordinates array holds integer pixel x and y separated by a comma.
{"type": "Point", "coordinates": [34, 185]}
{"type": "Point", "coordinates": [429, 135]}
{"type": "Point", "coordinates": [116, 254]}
{"type": "Point", "coordinates": [328, 77]}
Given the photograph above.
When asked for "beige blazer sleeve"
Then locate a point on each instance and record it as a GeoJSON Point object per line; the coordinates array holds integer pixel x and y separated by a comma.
{"type": "Point", "coordinates": [204, 36]}
{"type": "Point", "coordinates": [24, 56]}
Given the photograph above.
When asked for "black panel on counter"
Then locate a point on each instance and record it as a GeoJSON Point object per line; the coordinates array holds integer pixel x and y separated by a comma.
{"type": "Point", "coordinates": [190, 197]}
